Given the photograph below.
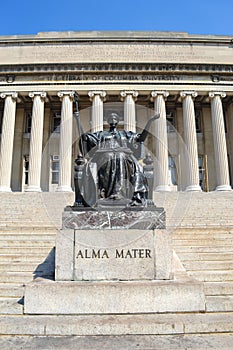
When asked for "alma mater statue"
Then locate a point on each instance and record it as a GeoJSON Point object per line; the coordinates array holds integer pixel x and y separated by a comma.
{"type": "Point", "coordinates": [111, 171]}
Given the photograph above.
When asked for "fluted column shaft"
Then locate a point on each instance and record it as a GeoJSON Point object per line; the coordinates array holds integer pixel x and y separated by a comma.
{"type": "Point", "coordinates": [190, 139]}
{"type": "Point", "coordinates": [65, 153]}
{"type": "Point", "coordinates": [97, 119]}
{"type": "Point", "coordinates": [220, 147]}
{"type": "Point", "coordinates": [7, 141]}
{"type": "Point", "coordinates": [161, 143]}
{"type": "Point", "coordinates": [36, 140]}
{"type": "Point", "coordinates": [129, 98]}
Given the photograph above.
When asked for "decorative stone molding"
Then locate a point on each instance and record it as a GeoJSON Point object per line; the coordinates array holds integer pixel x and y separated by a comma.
{"type": "Point", "coordinates": [126, 93]}
{"type": "Point", "coordinates": [101, 94]}
{"type": "Point", "coordinates": [14, 95]}
{"type": "Point", "coordinates": [42, 95]}
{"type": "Point", "coordinates": [61, 94]}
{"type": "Point", "coordinates": [155, 94]}
{"type": "Point", "coordinates": [213, 94]}
{"type": "Point", "coordinates": [184, 94]}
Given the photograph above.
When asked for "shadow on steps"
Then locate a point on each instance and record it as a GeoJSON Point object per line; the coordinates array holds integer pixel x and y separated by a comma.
{"type": "Point", "coordinates": [44, 270]}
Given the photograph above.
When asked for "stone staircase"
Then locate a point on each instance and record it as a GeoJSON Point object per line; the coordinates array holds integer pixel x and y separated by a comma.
{"type": "Point", "coordinates": [23, 257]}
{"type": "Point", "coordinates": [202, 228]}
{"type": "Point", "coordinates": [207, 255]}
{"type": "Point", "coordinates": [28, 226]}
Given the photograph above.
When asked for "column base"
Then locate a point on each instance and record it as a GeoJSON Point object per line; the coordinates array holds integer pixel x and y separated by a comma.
{"type": "Point", "coordinates": [194, 188]}
{"type": "Point", "coordinates": [5, 189]}
{"type": "Point", "coordinates": [65, 188]}
{"type": "Point", "coordinates": [223, 188]}
{"type": "Point", "coordinates": [163, 188]}
{"type": "Point", "coordinates": [33, 188]}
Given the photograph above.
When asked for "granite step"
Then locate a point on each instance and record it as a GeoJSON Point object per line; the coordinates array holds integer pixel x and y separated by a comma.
{"type": "Point", "coordinates": [26, 237]}
{"type": "Point", "coordinates": [219, 303]}
{"type": "Point", "coordinates": [208, 265]}
{"type": "Point", "coordinates": [211, 289]}
{"type": "Point", "coordinates": [11, 306]}
{"type": "Point", "coordinates": [218, 288]}
{"type": "Point", "coordinates": [203, 230]}
{"type": "Point", "coordinates": [203, 242]}
{"type": "Point", "coordinates": [157, 324]}
{"type": "Point", "coordinates": [26, 243]}
{"type": "Point", "coordinates": [203, 249]}
{"type": "Point", "coordinates": [197, 341]}
{"type": "Point", "coordinates": [11, 290]}
{"type": "Point", "coordinates": [17, 277]}
{"type": "Point", "coordinates": [21, 221]}
{"type": "Point", "coordinates": [27, 250]}
{"type": "Point", "coordinates": [27, 230]}
{"type": "Point", "coordinates": [29, 267]}
{"type": "Point", "coordinates": [212, 276]}
{"type": "Point", "coordinates": [206, 256]}
{"type": "Point", "coordinates": [33, 258]}
{"type": "Point", "coordinates": [216, 234]}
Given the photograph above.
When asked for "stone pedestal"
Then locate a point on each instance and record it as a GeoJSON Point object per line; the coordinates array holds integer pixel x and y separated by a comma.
{"type": "Point", "coordinates": [131, 297]}
{"type": "Point", "coordinates": [114, 262]}
{"type": "Point", "coordinates": [81, 218]}
{"type": "Point", "coordinates": [114, 244]}
{"type": "Point", "coordinates": [107, 255]}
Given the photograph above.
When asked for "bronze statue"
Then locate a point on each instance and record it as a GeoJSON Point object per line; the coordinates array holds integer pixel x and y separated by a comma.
{"type": "Point", "coordinates": [111, 171]}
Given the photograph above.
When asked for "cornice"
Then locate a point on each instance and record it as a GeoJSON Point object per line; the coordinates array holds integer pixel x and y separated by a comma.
{"type": "Point", "coordinates": [114, 36]}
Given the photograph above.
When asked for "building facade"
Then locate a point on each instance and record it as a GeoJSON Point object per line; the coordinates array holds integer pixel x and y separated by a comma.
{"type": "Point", "coordinates": [188, 79]}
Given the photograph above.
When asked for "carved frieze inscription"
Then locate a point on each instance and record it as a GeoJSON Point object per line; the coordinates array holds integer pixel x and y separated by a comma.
{"type": "Point", "coordinates": [111, 77]}
{"type": "Point", "coordinates": [125, 52]}
{"type": "Point", "coordinates": [99, 52]}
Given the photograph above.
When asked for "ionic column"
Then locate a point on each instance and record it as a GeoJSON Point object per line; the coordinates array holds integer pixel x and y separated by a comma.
{"type": "Point", "coordinates": [65, 153]}
{"type": "Point", "coordinates": [220, 148]}
{"type": "Point", "coordinates": [129, 98]}
{"type": "Point", "coordinates": [161, 144]}
{"type": "Point", "coordinates": [36, 140]}
{"type": "Point", "coordinates": [7, 140]}
{"type": "Point", "coordinates": [190, 140]}
{"type": "Point", "coordinates": [97, 119]}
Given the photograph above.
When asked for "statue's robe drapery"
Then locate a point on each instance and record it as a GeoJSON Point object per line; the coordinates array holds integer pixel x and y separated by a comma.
{"type": "Point", "coordinates": [111, 168]}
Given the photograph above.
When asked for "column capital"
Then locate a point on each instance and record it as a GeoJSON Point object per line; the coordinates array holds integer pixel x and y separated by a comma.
{"type": "Point", "coordinates": [62, 94]}
{"type": "Point", "coordinates": [13, 95]}
{"type": "Point", "coordinates": [125, 93]}
{"type": "Point", "coordinates": [100, 93]}
{"type": "Point", "coordinates": [41, 94]}
{"type": "Point", "coordinates": [213, 94]}
{"type": "Point", "coordinates": [155, 94]}
{"type": "Point", "coordinates": [184, 94]}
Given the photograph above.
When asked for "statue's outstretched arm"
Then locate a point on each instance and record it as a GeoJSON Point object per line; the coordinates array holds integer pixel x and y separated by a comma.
{"type": "Point", "coordinates": [145, 131]}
